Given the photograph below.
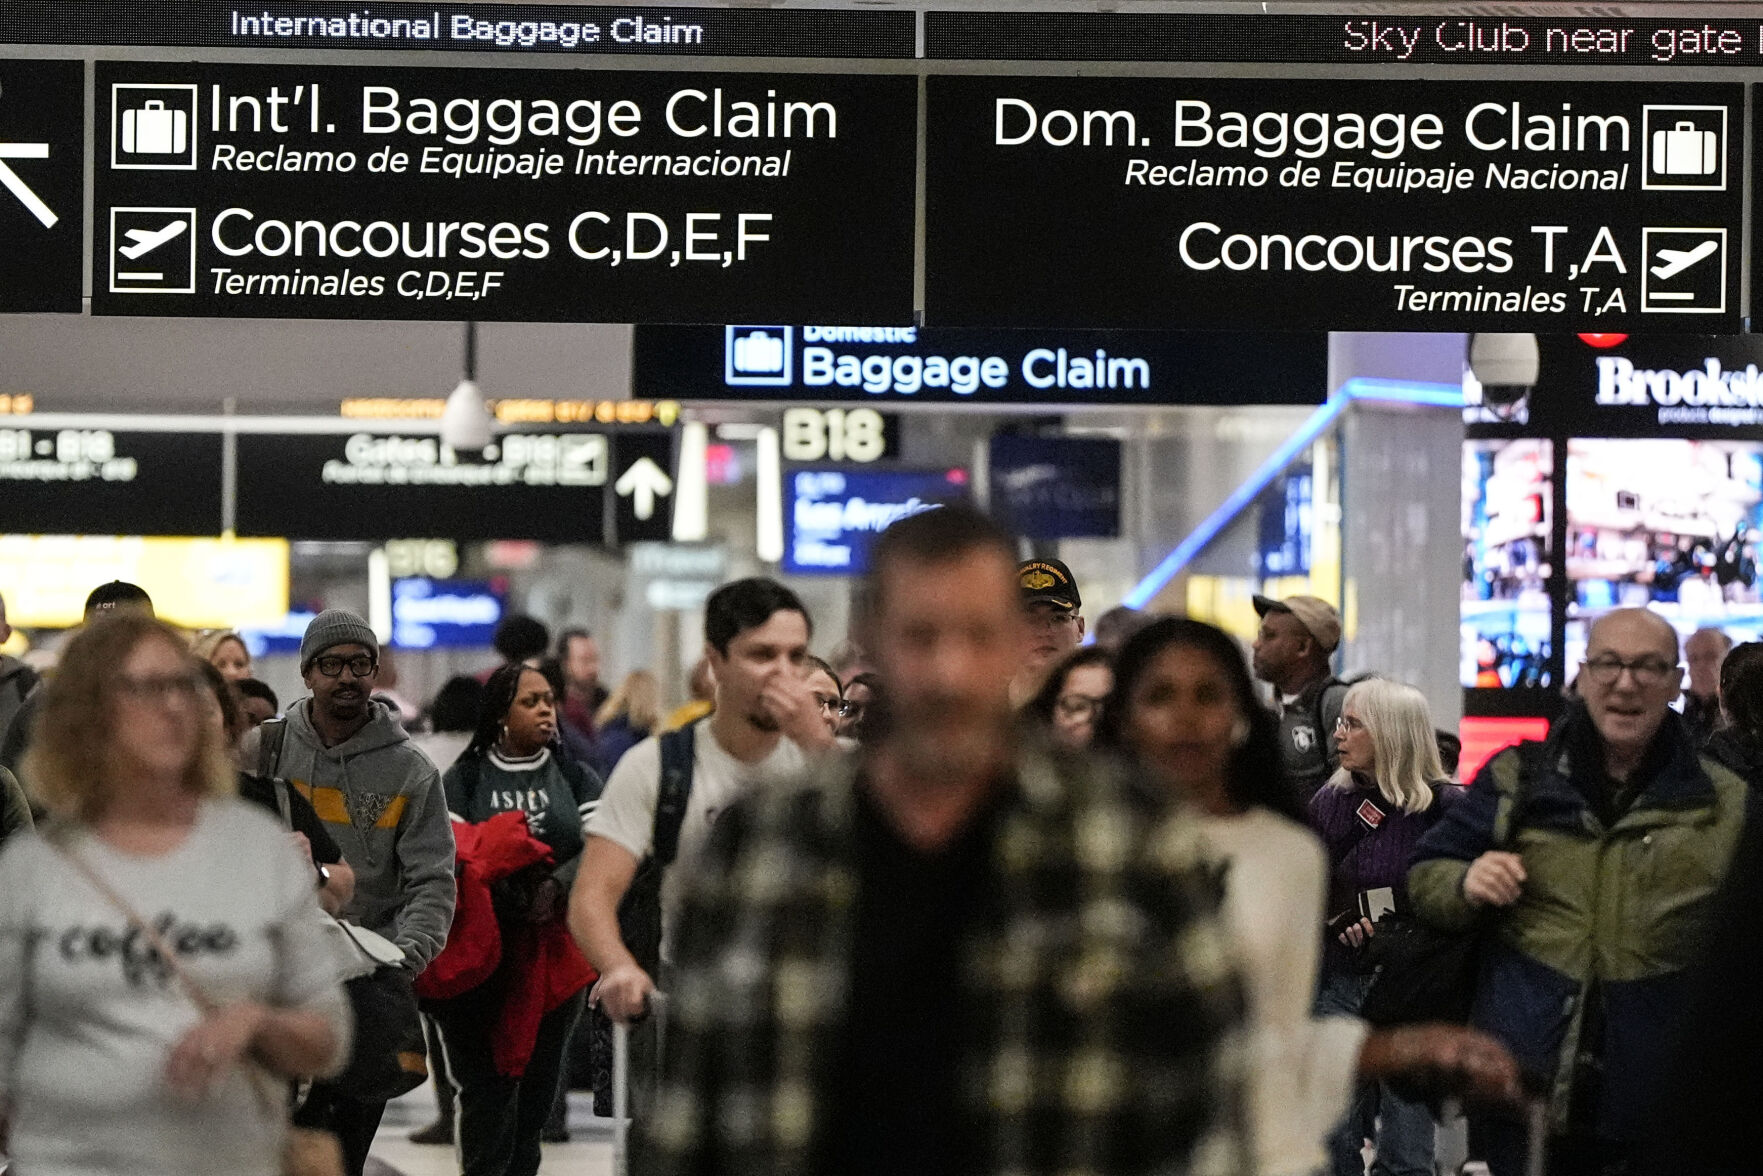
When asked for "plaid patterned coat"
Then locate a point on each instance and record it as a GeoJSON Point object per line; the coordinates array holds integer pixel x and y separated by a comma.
{"type": "Point", "coordinates": [1109, 1004]}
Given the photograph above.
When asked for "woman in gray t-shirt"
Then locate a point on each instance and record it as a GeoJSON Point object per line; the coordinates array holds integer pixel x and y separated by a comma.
{"type": "Point", "coordinates": [106, 1063]}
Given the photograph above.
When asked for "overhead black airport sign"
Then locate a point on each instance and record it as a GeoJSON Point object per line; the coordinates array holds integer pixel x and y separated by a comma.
{"type": "Point", "coordinates": [501, 195]}
{"type": "Point", "coordinates": [103, 482]}
{"type": "Point", "coordinates": [374, 486]}
{"type": "Point", "coordinates": [577, 29]}
{"type": "Point", "coordinates": [1364, 37]}
{"type": "Point", "coordinates": [42, 185]}
{"type": "Point", "coordinates": [1256, 204]}
{"type": "Point", "coordinates": [908, 365]}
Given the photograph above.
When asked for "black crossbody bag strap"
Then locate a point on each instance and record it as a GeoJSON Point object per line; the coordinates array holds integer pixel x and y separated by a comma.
{"type": "Point", "coordinates": [678, 756]}
{"type": "Point", "coordinates": [272, 735]}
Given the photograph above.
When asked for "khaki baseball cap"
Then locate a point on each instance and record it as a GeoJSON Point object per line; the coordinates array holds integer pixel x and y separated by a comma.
{"type": "Point", "coordinates": [1317, 616]}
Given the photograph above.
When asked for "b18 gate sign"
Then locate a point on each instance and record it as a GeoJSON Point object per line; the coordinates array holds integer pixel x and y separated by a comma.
{"type": "Point", "coordinates": [1255, 204]}
{"type": "Point", "coordinates": [527, 195]}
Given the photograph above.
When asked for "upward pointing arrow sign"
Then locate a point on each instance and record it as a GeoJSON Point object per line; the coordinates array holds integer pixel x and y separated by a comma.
{"type": "Point", "coordinates": [18, 187]}
{"type": "Point", "coordinates": [642, 484]}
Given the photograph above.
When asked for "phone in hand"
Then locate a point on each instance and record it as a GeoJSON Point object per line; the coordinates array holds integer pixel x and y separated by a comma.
{"type": "Point", "coordinates": [1374, 904]}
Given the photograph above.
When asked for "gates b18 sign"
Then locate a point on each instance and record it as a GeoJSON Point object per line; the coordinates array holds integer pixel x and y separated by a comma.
{"type": "Point", "coordinates": [530, 195]}
{"type": "Point", "coordinates": [1077, 202]}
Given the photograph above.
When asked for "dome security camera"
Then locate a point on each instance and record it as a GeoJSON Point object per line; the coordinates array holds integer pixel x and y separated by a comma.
{"type": "Point", "coordinates": [1506, 366]}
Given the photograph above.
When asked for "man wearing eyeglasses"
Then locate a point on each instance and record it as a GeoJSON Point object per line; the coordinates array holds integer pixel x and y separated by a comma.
{"type": "Point", "coordinates": [381, 799]}
{"type": "Point", "coordinates": [1594, 858]}
{"type": "Point", "coordinates": [1055, 622]}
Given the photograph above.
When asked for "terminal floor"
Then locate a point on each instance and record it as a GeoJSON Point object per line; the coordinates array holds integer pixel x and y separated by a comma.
{"type": "Point", "coordinates": [589, 1152]}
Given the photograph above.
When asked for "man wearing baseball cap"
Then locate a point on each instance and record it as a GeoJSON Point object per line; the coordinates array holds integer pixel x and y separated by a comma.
{"type": "Point", "coordinates": [381, 799]}
{"type": "Point", "coordinates": [1055, 622]}
{"type": "Point", "coordinates": [106, 600]}
{"type": "Point", "coordinates": [1298, 635]}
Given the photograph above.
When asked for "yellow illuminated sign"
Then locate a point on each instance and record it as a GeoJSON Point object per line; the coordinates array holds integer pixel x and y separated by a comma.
{"type": "Point", "coordinates": [194, 583]}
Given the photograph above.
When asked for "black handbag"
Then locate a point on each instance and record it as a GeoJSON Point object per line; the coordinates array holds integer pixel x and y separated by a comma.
{"type": "Point", "coordinates": [389, 1055]}
{"type": "Point", "coordinates": [1425, 974]}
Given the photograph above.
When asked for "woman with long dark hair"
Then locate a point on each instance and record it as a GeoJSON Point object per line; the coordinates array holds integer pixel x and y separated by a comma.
{"type": "Point", "coordinates": [1185, 713]}
{"type": "Point", "coordinates": [1738, 742]}
{"type": "Point", "coordinates": [514, 764]}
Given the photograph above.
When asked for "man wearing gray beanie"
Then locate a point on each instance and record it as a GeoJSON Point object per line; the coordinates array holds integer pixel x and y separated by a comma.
{"type": "Point", "coordinates": [381, 799]}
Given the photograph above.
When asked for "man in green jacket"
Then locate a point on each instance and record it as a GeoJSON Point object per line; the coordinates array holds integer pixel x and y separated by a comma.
{"type": "Point", "coordinates": [1597, 856]}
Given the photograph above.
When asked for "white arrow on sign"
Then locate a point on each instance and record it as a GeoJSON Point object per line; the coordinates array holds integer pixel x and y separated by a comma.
{"type": "Point", "coordinates": [642, 484]}
{"type": "Point", "coordinates": [18, 187]}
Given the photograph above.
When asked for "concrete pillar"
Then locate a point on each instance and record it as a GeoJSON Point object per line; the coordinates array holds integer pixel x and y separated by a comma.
{"type": "Point", "coordinates": [1402, 546]}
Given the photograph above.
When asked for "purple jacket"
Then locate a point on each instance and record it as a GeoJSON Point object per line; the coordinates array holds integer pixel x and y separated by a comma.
{"type": "Point", "coordinates": [1362, 859]}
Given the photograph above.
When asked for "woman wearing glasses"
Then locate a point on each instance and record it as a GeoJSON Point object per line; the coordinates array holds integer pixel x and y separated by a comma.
{"type": "Point", "coordinates": [1390, 789]}
{"type": "Point", "coordinates": [828, 691]}
{"type": "Point", "coordinates": [862, 701]}
{"type": "Point", "coordinates": [108, 1063]}
{"type": "Point", "coordinates": [1070, 701]}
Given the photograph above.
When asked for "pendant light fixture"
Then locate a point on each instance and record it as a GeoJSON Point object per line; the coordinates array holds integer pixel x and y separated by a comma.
{"type": "Point", "coordinates": [466, 422]}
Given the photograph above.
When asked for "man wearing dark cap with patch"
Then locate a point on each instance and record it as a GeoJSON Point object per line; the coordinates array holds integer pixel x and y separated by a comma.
{"type": "Point", "coordinates": [381, 799]}
{"type": "Point", "coordinates": [1298, 635]}
{"type": "Point", "coordinates": [1055, 622]}
{"type": "Point", "coordinates": [106, 600]}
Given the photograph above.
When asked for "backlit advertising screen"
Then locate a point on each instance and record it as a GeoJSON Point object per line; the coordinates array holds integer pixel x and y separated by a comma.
{"type": "Point", "coordinates": [832, 516]}
{"type": "Point", "coordinates": [1667, 524]}
{"type": "Point", "coordinates": [1507, 525]}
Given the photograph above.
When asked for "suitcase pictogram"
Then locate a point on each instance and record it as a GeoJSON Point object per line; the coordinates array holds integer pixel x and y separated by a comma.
{"type": "Point", "coordinates": [1686, 151]}
{"type": "Point", "coordinates": [759, 352]}
{"type": "Point", "coordinates": [155, 130]}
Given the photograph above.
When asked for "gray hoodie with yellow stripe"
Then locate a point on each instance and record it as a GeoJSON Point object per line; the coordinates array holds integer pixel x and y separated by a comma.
{"type": "Point", "coordinates": [382, 800]}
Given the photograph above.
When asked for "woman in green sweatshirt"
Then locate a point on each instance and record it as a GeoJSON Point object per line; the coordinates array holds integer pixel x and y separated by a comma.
{"type": "Point", "coordinates": [515, 763]}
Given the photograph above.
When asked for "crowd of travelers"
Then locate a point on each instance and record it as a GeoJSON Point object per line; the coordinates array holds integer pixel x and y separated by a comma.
{"type": "Point", "coordinates": [981, 891]}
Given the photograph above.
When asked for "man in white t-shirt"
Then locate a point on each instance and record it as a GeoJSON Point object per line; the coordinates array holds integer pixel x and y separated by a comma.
{"type": "Point", "coordinates": [766, 722]}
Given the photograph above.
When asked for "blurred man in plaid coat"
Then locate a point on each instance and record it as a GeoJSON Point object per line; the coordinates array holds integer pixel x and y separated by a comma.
{"type": "Point", "coordinates": [953, 954]}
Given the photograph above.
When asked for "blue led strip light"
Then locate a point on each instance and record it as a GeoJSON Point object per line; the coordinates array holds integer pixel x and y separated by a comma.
{"type": "Point", "coordinates": [1380, 391]}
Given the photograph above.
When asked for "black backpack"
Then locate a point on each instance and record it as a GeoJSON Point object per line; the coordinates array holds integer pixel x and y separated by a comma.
{"type": "Point", "coordinates": [639, 914]}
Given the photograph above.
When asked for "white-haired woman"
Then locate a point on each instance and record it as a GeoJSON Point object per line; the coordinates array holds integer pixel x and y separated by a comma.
{"type": "Point", "coordinates": [1388, 792]}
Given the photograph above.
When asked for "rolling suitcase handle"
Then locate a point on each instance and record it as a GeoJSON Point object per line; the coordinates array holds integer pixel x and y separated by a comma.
{"type": "Point", "coordinates": [621, 1125]}
{"type": "Point", "coordinates": [621, 1094]}
{"type": "Point", "coordinates": [1536, 1117]}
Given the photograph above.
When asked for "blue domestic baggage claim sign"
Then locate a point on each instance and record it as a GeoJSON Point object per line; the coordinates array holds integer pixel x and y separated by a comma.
{"type": "Point", "coordinates": [231, 190]}
{"type": "Point", "coordinates": [1269, 204]}
{"type": "Point", "coordinates": [908, 365]}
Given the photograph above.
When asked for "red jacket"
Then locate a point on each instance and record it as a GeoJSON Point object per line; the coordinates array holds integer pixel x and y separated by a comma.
{"type": "Point", "coordinates": [540, 960]}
